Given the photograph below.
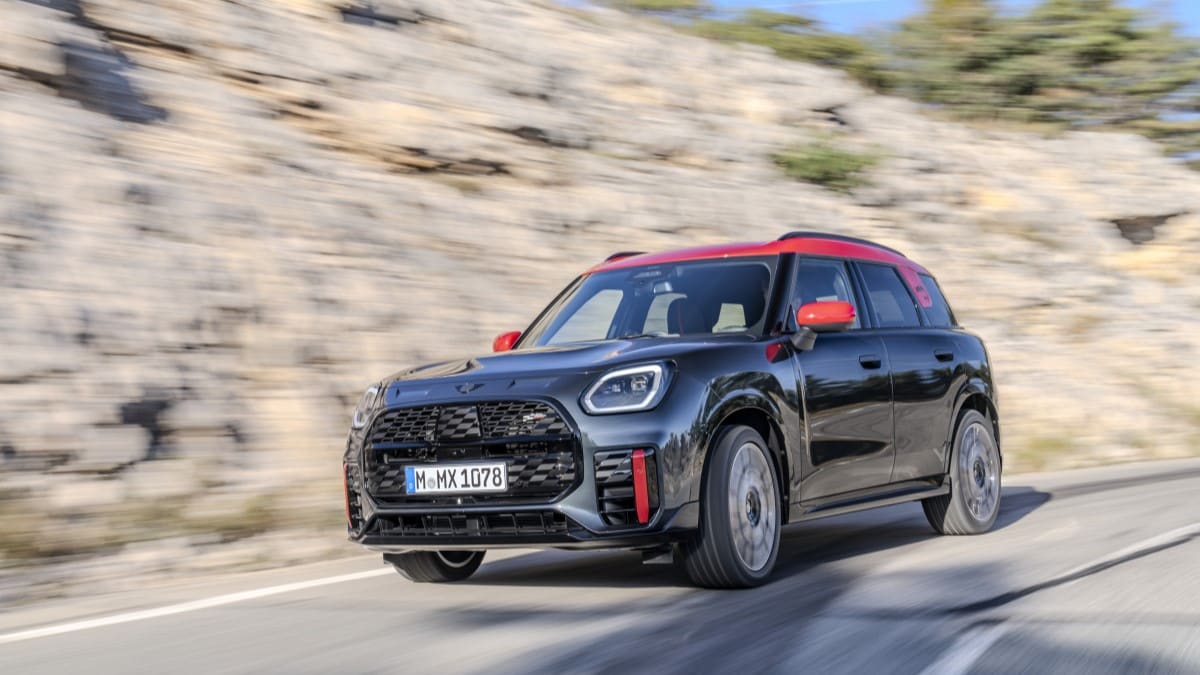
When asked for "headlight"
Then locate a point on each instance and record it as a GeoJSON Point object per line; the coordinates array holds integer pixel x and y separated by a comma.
{"type": "Point", "coordinates": [362, 412]}
{"type": "Point", "coordinates": [627, 390]}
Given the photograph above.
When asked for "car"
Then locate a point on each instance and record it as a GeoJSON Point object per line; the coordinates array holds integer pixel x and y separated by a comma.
{"type": "Point", "coordinates": [688, 405]}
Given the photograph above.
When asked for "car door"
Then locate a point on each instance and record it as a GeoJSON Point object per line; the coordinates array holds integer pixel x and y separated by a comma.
{"type": "Point", "coordinates": [847, 394]}
{"type": "Point", "coordinates": [922, 358]}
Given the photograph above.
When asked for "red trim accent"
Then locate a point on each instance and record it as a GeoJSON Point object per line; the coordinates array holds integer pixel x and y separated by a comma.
{"type": "Point", "coordinates": [346, 492]}
{"type": "Point", "coordinates": [825, 314]}
{"type": "Point", "coordinates": [804, 245]}
{"type": "Point", "coordinates": [917, 286]}
{"type": "Point", "coordinates": [641, 497]}
{"type": "Point", "coordinates": [773, 350]}
{"type": "Point", "coordinates": [505, 341]}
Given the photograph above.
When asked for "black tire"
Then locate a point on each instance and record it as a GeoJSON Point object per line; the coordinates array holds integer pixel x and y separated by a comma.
{"type": "Point", "coordinates": [975, 476]}
{"type": "Point", "coordinates": [713, 558]}
{"type": "Point", "coordinates": [435, 567]}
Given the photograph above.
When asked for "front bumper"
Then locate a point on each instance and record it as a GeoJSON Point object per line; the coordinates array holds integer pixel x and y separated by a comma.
{"type": "Point", "coordinates": [528, 528]}
{"type": "Point", "coordinates": [593, 509]}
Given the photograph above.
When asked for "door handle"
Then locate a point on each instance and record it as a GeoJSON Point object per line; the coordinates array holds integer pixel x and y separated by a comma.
{"type": "Point", "coordinates": [943, 355]}
{"type": "Point", "coordinates": [870, 361]}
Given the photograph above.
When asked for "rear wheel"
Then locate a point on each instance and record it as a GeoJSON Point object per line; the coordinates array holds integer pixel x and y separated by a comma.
{"type": "Point", "coordinates": [436, 566]}
{"type": "Point", "coordinates": [738, 541]}
{"type": "Point", "coordinates": [974, 499]}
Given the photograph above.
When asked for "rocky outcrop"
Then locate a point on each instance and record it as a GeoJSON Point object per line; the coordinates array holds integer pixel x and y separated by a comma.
{"type": "Point", "coordinates": [220, 221]}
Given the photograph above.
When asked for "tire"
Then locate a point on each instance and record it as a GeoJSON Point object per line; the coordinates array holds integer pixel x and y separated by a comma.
{"type": "Point", "coordinates": [435, 567]}
{"type": "Point", "coordinates": [974, 477]}
{"type": "Point", "coordinates": [740, 513]}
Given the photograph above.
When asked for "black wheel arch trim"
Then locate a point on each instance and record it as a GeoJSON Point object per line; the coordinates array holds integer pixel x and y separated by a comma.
{"type": "Point", "coordinates": [749, 401]}
{"type": "Point", "coordinates": [973, 391]}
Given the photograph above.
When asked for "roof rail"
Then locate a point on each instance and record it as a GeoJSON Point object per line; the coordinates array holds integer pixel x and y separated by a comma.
{"type": "Point", "coordinates": [838, 237]}
{"type": "Point", "coordinates": [623, 254]}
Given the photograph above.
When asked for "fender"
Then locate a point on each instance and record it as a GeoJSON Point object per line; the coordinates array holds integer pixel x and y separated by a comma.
{"type": "Point", "coordinates": [756, 391]}
{"type": "Point", "coordinates": [973, 386]}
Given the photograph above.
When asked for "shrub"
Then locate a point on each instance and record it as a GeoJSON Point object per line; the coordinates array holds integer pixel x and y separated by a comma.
{"type": "Point", "coordinates": [823, 163]}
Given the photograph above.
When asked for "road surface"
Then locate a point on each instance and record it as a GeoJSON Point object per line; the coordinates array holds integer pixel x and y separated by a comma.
{"type": "Point", "coordinates": [1092, 571]}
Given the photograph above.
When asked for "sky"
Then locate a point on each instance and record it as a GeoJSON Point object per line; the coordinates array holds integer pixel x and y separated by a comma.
{"type": "Point", "coordinates": [850, 16]}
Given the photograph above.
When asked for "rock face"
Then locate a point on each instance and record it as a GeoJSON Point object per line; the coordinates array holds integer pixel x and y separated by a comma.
{"type": "Point", "coordinates": [220, 221]}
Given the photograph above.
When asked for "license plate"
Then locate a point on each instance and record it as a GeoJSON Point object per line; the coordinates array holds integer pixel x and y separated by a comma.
{"type": "Point", "coordinates": [456, 478]}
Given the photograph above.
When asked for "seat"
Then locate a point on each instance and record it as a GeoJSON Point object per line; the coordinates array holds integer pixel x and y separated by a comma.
{"type": "Point", "coordinates": [685, 318]}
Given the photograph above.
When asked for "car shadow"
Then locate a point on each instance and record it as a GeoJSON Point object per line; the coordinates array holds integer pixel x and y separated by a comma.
{"type": "Point", "coordinates": [803, 546]}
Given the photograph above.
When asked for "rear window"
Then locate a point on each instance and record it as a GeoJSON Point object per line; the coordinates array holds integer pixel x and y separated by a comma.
{"type": "Point", "coordinates": [938, 312]}
{"type": "Point", "coordinates": [893, 306]}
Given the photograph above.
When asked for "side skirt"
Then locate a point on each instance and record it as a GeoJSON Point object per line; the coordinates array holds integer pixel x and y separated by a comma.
{"type": "Point", "coordinates": [861, 500]}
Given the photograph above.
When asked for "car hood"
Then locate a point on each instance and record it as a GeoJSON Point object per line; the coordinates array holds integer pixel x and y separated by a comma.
{"type": "Point", "coordinates": [525, 371]}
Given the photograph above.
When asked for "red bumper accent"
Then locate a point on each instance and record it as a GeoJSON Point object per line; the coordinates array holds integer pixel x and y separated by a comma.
{"type": "Point", "coordinates": [641, 497]}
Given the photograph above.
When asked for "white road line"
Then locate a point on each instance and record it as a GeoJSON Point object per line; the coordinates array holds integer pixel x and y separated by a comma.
{"type": "Point", "coordinates": [966, 650]}
{"type": "Point", "coordinates": [962, 655]}
{"type": "Point", "coordinates": [183, 607]}
{"type": "Point", "coordinates": [1177, 535]}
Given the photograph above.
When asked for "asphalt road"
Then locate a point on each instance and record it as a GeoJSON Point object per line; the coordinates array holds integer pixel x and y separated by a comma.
{"type": "Point", "coordinates": [1094, 571]}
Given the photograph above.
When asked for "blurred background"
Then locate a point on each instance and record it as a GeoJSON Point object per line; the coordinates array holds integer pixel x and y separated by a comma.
{"type": "Point", "coordinates": [221, 221]}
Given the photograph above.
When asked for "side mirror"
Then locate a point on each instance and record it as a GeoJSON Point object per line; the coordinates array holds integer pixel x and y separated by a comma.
{"type": "Point", "coordinates": [825, 317]}
{"type": "Point", "coordinates": [505, 341]}
{"type": "Point", "coordinates": [820, 317]}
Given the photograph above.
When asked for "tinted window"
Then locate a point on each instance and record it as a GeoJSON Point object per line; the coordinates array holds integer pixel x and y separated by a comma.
{"type": "Point", "coordinates": [822, 281]}
{"type": "Point", "coordinates": [938, 312]}
{"type": "Point", "coordinates": [894, 306]}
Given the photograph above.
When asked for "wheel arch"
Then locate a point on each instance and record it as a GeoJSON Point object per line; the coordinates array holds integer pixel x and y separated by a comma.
{"type": "Point", "coordinates": [757, 417]}
{"type": "Point", "coordinates": [976, 396]}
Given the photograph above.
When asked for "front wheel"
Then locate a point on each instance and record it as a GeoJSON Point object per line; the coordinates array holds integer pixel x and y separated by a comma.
{"type": "Point", "coordinates": [738, 540]}
{"type": "Point", "coordinates": [974, 499]}
{"type": "Point", "coordinates": [435, 566]}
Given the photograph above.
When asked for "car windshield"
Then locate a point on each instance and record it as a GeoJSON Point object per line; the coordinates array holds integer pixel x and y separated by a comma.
{"type": "Point", "coordinates": [702, 297]}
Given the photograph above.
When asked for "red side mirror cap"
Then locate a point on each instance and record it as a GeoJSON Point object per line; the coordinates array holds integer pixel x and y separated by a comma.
{"type": "Point", "coordinates": [505, 341]}
{"type": "Point", "coordinates": [825, 317]}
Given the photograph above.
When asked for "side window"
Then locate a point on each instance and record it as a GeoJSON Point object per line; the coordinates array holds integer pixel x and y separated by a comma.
{"type": "Point", "coordinates": [592, 321]}
{"type": "Point", "coordinates": [938, 311]}
{"type": "Point", "coordinates": [893, 304]}
{"type": "Point", "coordinates": [822, 281]}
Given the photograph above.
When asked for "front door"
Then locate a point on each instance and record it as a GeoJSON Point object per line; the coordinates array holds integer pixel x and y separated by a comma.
{"type": "Point", "coordinates": [847, 393]}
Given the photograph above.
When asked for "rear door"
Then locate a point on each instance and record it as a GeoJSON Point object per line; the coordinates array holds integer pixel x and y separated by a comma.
{"type": "Point", "coordinates": [923, 358]}
{"type": "Point", "coordinates": [847, 392]}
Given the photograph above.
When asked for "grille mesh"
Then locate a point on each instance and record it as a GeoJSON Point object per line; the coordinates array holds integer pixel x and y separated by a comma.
{"type": "Point", "coordinates": [525, 475]}
{"type": "Point", "coordinates": [413, 425]}
{"type": "Point", "coordinates": [521, 418]}
{"type": "Point", "coordinates": [491, 420]}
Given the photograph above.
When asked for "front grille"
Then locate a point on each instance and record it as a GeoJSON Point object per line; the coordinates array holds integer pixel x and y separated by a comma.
{"type": "Point", "coordinates": [532, 438]}
{"type": "Point", "coordinates": [614, 486]}
{"type": "Point", "coordinates": [523, 524]}
{"type": "Point", "coordinates": [491, 420]}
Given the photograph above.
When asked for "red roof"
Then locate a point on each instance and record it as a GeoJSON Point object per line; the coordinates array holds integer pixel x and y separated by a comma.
{"type": "Point", "coordinates": [810, 245]}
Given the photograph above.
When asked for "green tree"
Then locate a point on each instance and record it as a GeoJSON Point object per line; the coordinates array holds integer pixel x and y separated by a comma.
{"type": "Point", "coordinates": [1077, 63]}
